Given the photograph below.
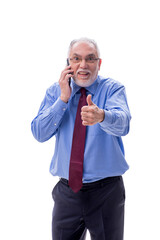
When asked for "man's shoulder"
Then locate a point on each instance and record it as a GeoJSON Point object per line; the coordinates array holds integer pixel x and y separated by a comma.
{"type": "Point", "coordinates": [108, 82]}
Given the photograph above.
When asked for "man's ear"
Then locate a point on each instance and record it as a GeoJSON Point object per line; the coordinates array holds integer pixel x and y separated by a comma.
{"type": "Point", "coordinates": [100, 62]}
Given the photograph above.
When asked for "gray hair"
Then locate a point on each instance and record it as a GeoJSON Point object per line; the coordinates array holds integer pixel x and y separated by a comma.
{"type": "Point", "coordinates": [86, 40]}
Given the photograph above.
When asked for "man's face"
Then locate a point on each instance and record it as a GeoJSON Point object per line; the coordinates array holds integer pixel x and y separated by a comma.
{"type": "Point", "coordinates": [85, 63]}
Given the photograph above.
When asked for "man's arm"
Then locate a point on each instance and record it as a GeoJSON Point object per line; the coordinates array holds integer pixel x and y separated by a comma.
{"type": "Point", "coordinates": [114, 118]}
{"type": "Point", "coordinates": [49, 117]}
{"type": "Point", "coordinates": [52, 109]}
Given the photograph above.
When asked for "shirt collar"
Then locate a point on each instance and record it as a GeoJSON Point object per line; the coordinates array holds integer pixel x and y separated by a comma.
{"type": "Point", "coordinates": [91, 89]}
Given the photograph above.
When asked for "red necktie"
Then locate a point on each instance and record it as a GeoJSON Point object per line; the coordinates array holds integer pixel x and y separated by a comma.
{"type": "Point", "coordinates": [78, 144]}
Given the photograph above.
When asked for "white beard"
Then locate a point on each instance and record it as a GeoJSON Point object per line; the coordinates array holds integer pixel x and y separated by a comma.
{"type": "Point", "coordinates": [85, 82]}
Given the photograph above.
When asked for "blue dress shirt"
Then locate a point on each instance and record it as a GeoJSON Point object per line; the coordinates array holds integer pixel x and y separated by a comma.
{"type": "Point", "coordinates": [104, 151]}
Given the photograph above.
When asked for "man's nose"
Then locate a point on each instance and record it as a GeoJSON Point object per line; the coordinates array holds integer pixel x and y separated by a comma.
{"type": "Point", "coordinates": [83, 63]}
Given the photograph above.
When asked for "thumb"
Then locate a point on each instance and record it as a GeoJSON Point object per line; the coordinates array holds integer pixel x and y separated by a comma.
{"type": "Point", "coordinates": [89, 101]}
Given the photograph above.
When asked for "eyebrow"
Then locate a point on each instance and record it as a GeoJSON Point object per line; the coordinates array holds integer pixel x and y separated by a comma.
{"type": "Point", "coordinates": [89, 55]}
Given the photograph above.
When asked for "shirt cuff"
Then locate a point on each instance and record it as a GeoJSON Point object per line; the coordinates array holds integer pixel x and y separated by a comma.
{"type": "Point", "coordinates": [60, 106]}
{"type": "Point", "coordinates": [57, 109]}
{"type": "Point", "coordinates": [108, 119]}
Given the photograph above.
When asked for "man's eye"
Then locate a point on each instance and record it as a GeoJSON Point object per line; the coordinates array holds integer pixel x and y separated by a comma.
{"type": "Point", "coordinates": [76, 58]}
{"type": "Point", "coordinates": [90, 59]}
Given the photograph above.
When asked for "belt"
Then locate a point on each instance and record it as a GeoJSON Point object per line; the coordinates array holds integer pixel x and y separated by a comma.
{"type": "Point", "coordinates": [95, 184]}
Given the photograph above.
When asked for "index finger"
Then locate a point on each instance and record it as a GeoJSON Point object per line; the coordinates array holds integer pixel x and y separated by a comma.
{"type": "Point", "coordinates": [67, 67]}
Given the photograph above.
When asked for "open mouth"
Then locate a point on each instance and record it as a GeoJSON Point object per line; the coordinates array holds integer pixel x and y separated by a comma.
{"type": "Point", "coordinates": [83, 74]}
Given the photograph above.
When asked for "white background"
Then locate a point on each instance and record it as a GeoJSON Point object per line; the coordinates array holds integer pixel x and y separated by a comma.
{"type": "Point", "coordinates": [34, 39]}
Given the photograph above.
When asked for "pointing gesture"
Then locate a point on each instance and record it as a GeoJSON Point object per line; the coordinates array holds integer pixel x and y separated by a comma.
{"type": "Point", "coordinates": [91, 114]}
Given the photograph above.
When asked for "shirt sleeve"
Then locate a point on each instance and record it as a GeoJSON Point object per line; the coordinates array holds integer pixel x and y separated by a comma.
{"type": "Point", "coordinates": [117, 114]}
{"type": "Point", "coordinates": [49, 117]}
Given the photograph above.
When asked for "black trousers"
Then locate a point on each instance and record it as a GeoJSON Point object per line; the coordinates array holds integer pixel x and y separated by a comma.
{"type": "Point", "coordinates": [98, 207]}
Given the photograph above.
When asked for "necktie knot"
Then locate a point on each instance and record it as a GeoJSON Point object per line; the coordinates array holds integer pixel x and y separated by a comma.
{"type": "Point", "coordinates": [83, 91]}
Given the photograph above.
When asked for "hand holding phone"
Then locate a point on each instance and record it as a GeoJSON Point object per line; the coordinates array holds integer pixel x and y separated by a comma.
{"type": "Point", "coordinates": [64, 83]}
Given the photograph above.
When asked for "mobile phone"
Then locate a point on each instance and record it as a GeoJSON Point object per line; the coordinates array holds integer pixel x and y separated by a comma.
{"type": "Point", "coordinates": [69, 80]}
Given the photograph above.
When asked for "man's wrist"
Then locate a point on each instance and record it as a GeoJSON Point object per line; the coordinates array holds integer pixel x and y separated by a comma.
{"type": "Point", "coordinates": [64, 99]}
{"type": "Point", "coordinates": [102, 115]}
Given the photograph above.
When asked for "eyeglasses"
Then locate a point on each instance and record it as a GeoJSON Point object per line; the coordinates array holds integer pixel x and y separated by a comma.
{"type": "Point", "coordinates": [88, 59]}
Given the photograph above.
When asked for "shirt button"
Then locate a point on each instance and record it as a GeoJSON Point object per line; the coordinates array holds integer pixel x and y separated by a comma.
{"type": "Point", "coordinates": [64, 109]}
{"type": "Point", "coordinates": [55, 124]}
